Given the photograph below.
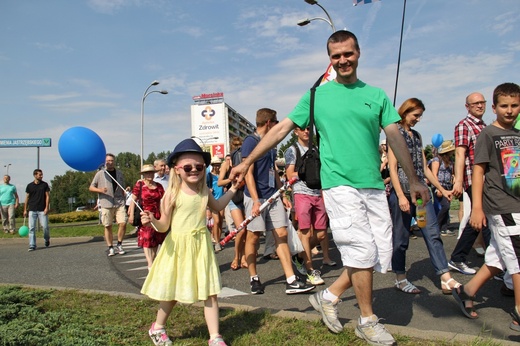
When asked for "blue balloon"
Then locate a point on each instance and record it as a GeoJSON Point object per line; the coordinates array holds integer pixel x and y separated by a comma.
{"type": "Point", "coordinates": [82, 149]}
{"type": "Point", "coordinates": [437, 140]}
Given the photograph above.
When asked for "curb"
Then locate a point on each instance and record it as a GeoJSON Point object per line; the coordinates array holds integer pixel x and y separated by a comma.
{"type": "Point", "coordinates": [430, 335]}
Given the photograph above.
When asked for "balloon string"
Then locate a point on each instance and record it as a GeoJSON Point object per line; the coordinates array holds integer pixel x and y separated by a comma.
{"type": "Point", "coordinates": [135, 203]}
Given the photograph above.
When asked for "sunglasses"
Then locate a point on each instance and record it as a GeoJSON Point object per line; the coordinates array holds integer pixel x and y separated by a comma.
{"type": "Point", "coordinates": [188, 168]}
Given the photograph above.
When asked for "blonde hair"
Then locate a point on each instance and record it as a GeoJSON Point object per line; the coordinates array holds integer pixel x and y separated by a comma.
{"type": "Point", "coordinates": [174, 186]}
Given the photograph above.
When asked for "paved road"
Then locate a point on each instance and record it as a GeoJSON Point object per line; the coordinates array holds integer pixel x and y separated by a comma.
{"type": "Point", "coordinates": [81, 263]}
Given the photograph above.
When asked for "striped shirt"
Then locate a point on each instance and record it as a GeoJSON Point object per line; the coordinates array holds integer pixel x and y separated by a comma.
{"type": "Point", "coordinates": [466, 133]}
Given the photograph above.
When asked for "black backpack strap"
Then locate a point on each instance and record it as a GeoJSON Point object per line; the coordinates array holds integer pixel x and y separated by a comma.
{"type": "Point", "coordinates": [311, 114]}
{"type": "Point", "coordinates": [298, 156]}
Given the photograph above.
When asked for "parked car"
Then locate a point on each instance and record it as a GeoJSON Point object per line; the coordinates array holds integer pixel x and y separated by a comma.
{"type": "Point", "coordinates": [81, 209]}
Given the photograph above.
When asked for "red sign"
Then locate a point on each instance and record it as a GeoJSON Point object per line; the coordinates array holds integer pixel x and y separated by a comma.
{"type": "Point", "coordinates": [209, 96]}
{"type": "Point", "coordinates": [218, 150]}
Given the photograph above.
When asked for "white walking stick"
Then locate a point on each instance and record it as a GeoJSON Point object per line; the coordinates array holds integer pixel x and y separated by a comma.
{"type": "Point", "coordinates": [264, 205]}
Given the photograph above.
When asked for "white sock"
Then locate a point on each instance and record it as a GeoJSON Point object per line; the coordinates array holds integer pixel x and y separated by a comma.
{"type": "Point", "coordinates": [327, 295]}
{"type": "Point", "coordinates": [291, 279]}
{"type": "Point", "coordinates": [365, 320]}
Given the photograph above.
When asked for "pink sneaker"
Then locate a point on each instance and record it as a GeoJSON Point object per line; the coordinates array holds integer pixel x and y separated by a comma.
{"type": "Point", "coordinates": [159, 336]}
{"type": "Point", "coordinates": [218, 341]}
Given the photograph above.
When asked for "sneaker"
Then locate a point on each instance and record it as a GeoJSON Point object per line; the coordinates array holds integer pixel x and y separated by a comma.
{"type": "Point", "coordinates": [256, 286]}
{"type": "Point", "coordinates": [299, 265]}
{"type": "Point", "coordinates": [374, 333]}
{"type": "Point", "coordinates": [159, 336]}
{"type": "Point", "coordinates": [217, 247]}
{"type": "Point", "coordinates": [32, 248]}
{"type": "Point", "coordinates": [328, 311]}
{"type": "Point", "coordinates": [47, 243]}
{"type": "Point", "coordinates": [461, 267]}
{"type": "Point", "coordinates": [298, 286]}
{"type": "Point", "coordinates": [111, 252]}
{"type": "Point", "coordinates": [314, 278]}
{"type": "Point", "coordinates": [218, 341]}
{"type": "Point", "coordinates": [447, 233]}
{"type": "Point", "coordinates": [120, 249]}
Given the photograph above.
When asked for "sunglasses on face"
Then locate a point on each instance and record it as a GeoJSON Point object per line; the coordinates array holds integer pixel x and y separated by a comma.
{"type": "Point", "coordinates": [188, 168]}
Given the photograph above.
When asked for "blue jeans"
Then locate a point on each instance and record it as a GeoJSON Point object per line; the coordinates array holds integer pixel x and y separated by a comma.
{"type": "Point", "coordinates": [401, 237]}
{"type": "Point", "coordinates": [44, 222]}
{"type": "Point", "coordinates": [443, 215]}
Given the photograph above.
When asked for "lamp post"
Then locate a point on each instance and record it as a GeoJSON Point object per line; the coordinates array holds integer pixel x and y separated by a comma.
{"type": "Point", "coordinates": [146, 93]}
{"type": "Point", "coordinates": [203, 141]}
{"type": "Point", "coordinates": [331, 23]}
{"type": "Point", "coordinates": [7, 168]}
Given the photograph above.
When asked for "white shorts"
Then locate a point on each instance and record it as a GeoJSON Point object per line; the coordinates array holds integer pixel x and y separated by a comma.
{"type": "Point", "coordinates": [361, 226]}
{"type": "Point", "coordinates": [504, 247]}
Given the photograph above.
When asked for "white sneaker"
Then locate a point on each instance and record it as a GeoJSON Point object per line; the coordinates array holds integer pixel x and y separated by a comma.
{"type": "Point", "coordinates": [461, 267]}
{"type": "Point", "coordinates": [111, 252]}
{"type": "Point", "coordinates": [120, 250]}
{"type": "Point", "coordinates": [314, 278]}
{"type": "Point", "coordinates": [328, 311]}
{"type": "Point", "coordinates": [374, 332]}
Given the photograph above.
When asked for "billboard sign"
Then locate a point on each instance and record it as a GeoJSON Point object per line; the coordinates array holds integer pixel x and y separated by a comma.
{"type": "Point", "coordinates": [209, 123]}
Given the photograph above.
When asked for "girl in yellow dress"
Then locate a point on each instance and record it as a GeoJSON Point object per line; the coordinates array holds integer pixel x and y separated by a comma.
{"type": "Point", "coordinates": [185, 269]}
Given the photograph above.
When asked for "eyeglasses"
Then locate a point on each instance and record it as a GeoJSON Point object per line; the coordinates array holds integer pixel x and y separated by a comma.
{"type": "Point", "coordinates": [478, 103]}
{"type": "Point", "coordinates": [305, 129]}
{"type": "Point", "coordinates": [188, 168]}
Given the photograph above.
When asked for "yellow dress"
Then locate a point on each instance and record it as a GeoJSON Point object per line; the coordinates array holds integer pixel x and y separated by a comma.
{"type": "Point", "coordinates": [185, 269]}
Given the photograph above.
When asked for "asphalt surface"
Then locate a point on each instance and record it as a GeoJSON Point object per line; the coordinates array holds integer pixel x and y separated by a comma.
{"type": "Point", "coordinates": [82, 263]}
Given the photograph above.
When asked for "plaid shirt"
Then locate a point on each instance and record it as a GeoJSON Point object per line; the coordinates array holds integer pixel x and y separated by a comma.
{"type": "Point", "coordinates": [466, 133]}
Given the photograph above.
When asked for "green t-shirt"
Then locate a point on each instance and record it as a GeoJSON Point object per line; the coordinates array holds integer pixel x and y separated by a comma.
{"type": "Point", "coordinates": [348, 119]}
{"type": "Point", "coordinates": [7, 194]}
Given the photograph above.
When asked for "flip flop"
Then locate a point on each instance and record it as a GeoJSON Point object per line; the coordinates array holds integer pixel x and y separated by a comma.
{"type": "Point", "coordinates": [234, 265]}
{"type": "Point", "coordinates": [461, 297]}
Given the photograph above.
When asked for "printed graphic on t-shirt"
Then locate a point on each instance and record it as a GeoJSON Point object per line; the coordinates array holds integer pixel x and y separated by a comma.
{"type": "Point", "coordinates": [508, 149]}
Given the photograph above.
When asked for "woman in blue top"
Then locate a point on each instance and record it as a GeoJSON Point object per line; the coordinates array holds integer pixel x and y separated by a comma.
{"type": "Point", "coordinates": [442, 168]}
{"type": "Point", "coordinates": [217, 192]}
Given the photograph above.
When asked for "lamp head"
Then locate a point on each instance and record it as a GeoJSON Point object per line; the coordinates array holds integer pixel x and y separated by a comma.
{"type": "Point", "coordinates": [311, 2]}
{"type": "Point", "coordinates": [304, 22]}
{"type": "Point", "coordinates": [155, 82]}
{"type": "Point", "coordinates": [164, 92]}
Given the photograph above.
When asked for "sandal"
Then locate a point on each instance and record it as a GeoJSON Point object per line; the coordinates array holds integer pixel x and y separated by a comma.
{"type": "Point", "coordinates": [408, 288]}
{"type": "Point", "coordinates": [445, 286]}
{"type": "Point", "coordinates": [516, 318]}
{"type": "Point", "coordinates": [234, 264]}
{"type": "Point", "coordinates": [462, 297]}
{"type": "Point", "coordinates": [330, 263]}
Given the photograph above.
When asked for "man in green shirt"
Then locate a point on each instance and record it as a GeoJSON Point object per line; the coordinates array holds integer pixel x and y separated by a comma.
{"type": "Point", "coordinates": [348, 116]}
{"type": "Point", "coordinates": [9, 202]}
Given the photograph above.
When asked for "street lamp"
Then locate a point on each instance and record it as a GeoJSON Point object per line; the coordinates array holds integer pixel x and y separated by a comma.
{"type": "Point", "coordinates": [203, 141]}
{"type": "Point", "coordinates": [146, 93]}
{"type": "Point", "coordinates": [306, 21]}
{"type": "Point", "coordinates": [331, 23]}
{"type": "Point", "coordinates": [7, 168]}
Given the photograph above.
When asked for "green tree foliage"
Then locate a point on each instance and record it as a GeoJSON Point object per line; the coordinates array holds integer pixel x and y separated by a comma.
{"type": "Point", "coordinates": [428, 152]}
{"type": "Point", "coordinates": [75, 184]}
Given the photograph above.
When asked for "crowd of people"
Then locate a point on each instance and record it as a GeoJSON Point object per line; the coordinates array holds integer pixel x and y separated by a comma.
{"type": "Point", "coordinates": [368, 199]}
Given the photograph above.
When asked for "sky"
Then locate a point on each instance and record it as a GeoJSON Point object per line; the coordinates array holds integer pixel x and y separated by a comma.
{"type": "Point", "coordinates": [88, 62]}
